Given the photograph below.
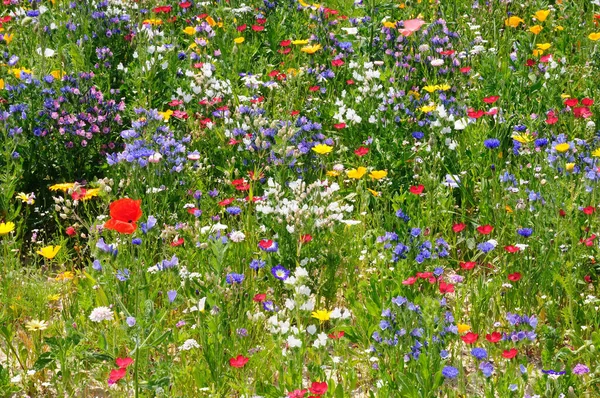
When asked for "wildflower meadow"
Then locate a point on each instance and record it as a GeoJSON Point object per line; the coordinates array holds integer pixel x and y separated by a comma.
{"type": "Point", "coordinates": [280, 198]}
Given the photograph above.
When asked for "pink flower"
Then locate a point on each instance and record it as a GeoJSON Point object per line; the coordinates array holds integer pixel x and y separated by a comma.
{"type": "Point", "coordinates": [411, 26]}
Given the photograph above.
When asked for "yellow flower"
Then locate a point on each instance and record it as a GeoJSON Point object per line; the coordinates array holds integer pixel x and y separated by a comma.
{"type": "Point", "coordinates": [596, 153]}
{"type": "Point", "coordinates": [36, 325]}
{"type": "Point", "coordinates": [543, 46]}
{"type": "Point", "coordinates": [321, 315]}
{"type": "Point", "coordinates": [303, 4]}
{"type": "Point", "coordinates": [427, 108]}
{"type": "Point", "coordinates": [65, 186]}
{"type": "Point", "coordinates": [333, 173]}
{"type": "Point", "coordinates": [1, 84]}
{"type": "Point", "coordinates": [462, 328]}
{"type": "Point", "coordinates": [53, 297]}
{"type": "Point", "coordinates": [91, 193]}
{"type": "Point", "coordinates": [562, 148]}
{"type": "Point", "coordinates": [190, 30]}
{"type": "Point", "coordinates": [524, 138]}
{"type": "Point", "coordinates": [17, 72]}
{"type": "Point", "coordinates": [508, 209]}
{"type": "Point", "coordinates": [49, 252]}
{"type": "Point", "coordinates": [536, 29]}
{"type": "Point", "coordinates": [211, 21]}
{"type": "Point", "coordinates": [6, 227]}
{"type": "Point", "coordinates": [166, 115]}
{"type": "Point", "coordinates": [594, 36]}
{"type": "Point", "coordinates": [537, 53]}
{"type": "Point", "coordinates": [373, 192]}
{"type": "Point", "coordinates": [414, 94]}
{"type": "Point", "coordinates": [378, 174]}
{"type": "Point", "coordinates": [357, 173]}
{"type": "Point", "coordinates": [311, 49]}
{"type": "Point", "coordinates": [444, 87]}
{"type": "Point", "coordinates": [239, 40]}
{"type": "Point", "coordinates": [152, 22]}
{"type": "Point", "coordinates": [430, 89]}
{"type": "Point", "coordinates": [559, 27]}
{"type": "Point", "coordinates": [322, 149]}
{"type": "Point", "coordinates": [8, 38]}
{"type": "Point", "coordinates": [26, 198]}
{"type": "Point", "coordinates": [65, 276]}
{"type": "Point", "coordinates": [389, 24]}
{"type": "Point", "coordinates": [297, 42]}
{"type": "Point", "coordinates": [541, 15]}
{"type": "Point", "coordinates": [513, 22]}
{"type": "Point", "coordinates": [57, 74]}
{"type": "Point", "coordinates": [570, 166]}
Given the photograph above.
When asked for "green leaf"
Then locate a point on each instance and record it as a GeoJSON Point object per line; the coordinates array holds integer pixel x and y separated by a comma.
{"type": "Point", "coordinates": [44, 360]}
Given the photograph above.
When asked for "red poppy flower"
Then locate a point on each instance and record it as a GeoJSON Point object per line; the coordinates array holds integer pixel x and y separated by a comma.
{"type": "Point", "coordinates": [562, 213]}
{"type": "Point", "coordinates": [469, 337]}
{"type": "Point", "coordinates": [258, 28]}
{"type": "Point", "coordinates": [424, 275]}
{"type": "Point", "coordinates": [350, 82]}
{"type": "Point", "coordinates": [493, 337]}
{"type": "Point", "coordinates": [473, 114]}
{"type": "Point", "coordinates": [123, 362]}
{"type": "Point", "coordinates": [465, 70]}
{"type": "Point", "coordinates": [546, 58]}
{"type": "Point", "coordinates": [551, 118]}
{"type": "Point", "coordinates": [313, 89]}
{"type": "Point", "coordinates": [510, 354]}
{"type": "Point", "coordinates": [491, 99]}
{"type": "Point", "coordinates": [447, 52]}
{"type": "Point", "coordinates": [511, 249]}
{"type": "Point", "coordinates": [409, 281]}
{"type": "Point", "coordinates": [485, 229]}
{"type": "Point", "coordinates": [587, 278]}
{"type": "Point", "coordinates": [116, 375]}
{"type": "Point", "coordinates": [571, 102]}
{"type": "Point", "coordinates": [261, 21]}
{"type": "Point", "coordinates": [337, 62]}
{"type": "Point", "coordinates": [339, 126]}
{"type": "Point", "coordinates": [587, 102]}
{"type": "Point", "coordinates": [185, 4]}
{"type": "Point", "coordinates": [175, 103]}
{"type": "Point", "coordinates": [306, 238]}
{"type": "Point", "coordinates": [239, 361]}
{"type": "Point", "coordinates": [582, 112]}
{"type": "Point", "coordinates": [70, 231]}
{"type": "Point", "coordinates": [467, 265]}
{"type": "Point", "coordinates": [285, 43]}
{"type": "Point", "coordinates": [514, 277]}
{"type": "Point", "coordinates": [416, 189]}
{"type": "Point", "coordinates": [456, 228]}
{"type": "Point", "coordinates": [588, 210]}
{"type": "Point", "coordinates": [226, 202]}
{"type": "Point", "coordinates": [318, 388]}
{"type": "Point", "coordinates": [123, 215]}
{"type": "Point", "coordinates": [242, 187]}
{"type": "Point", "coordinates": [530, 63]}
{"type": "Point", "coordinates": [265, 243]}
{"type": "Point", "coordinates": [446, 287]}
{"type": "Point", "coordinates": [259, 298]}
{"type": "Point", "coordinates": [361, 151]}
{"type": "Point", "coordinates": [336, 335]}
{"type": "Point", "coordinates": [177, 242]}
{"type": "Point", "coordinates": [241, 28]}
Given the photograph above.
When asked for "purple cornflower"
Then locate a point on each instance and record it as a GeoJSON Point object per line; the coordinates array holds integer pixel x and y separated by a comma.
{"type": "Point", "coordinates": [279, 272]}
{"type": "Point", "coordinates": [234, 278]}
{"type": "Point", "coordinates": [257, 264]}
{"type": "Point", "coordinates": [525, 232]}
{"type": "Point", "coordinates": [580, 369]}
{"type": "Point", "coordinates": [479, 353]}
{"type": "Point", "coordinates": [172, 294]}
{"type": "Point", "coordinates": [491, 143]}
{"type": "Point", "coordinates": [450, 372]}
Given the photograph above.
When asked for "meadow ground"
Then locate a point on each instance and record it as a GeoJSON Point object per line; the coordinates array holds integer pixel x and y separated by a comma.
{"type": "Point", "coordinates": [276, 198]}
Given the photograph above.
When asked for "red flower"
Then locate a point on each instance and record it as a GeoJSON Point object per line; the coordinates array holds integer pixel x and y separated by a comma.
{"type": "Point", "coordinates": [473, 114]}
{"type": "Point", "coordinates": [530, 63]}
{"type": "Point", "coordinates": [409, 281]}
{"type": "Point", "coordinates": [510, 354]}
{"type": "Point", "coordinates": [265, 243]}
{"type": "Point", "coordinates": [318, 388]}
{"type": "Point", "coordinates": [258, 28]}
{"type": "Point", "coordinates": [123, 215]}
{"type": "Point", "coordinates": [79, 194]}
{"type": "Point", "coordinates": [467, 265]}
{"type": "Point", "coordinates": [511, 249]}
{"type": "Point", "coordinates": [339, 126]}
{"type": "Point", "coordinates": [424, 275]}
{"type": "Point", "coordinates": [470, 337]}
{"type": "Point", "coordinates": [588, 210]}
{"type": "Point", "coordinates": [458, 227]}
{"type": "Point", "coordinates": [361, 151]}
{"type": "Point", "coordinates": [446, 287]}
{"type": "Point", "coordinates": [551, 118]}
{"type": "Point", "coordinates": [226, 202]}
{"type": "Point", "coordinates": [494, 337]}
{"type": "Point", "coordinates": [336, 335]}
{"type": "Point", "coordinates": [285, 43]}
{"type": "Point", "coordinates": [562, 213]}
{"type": "Point", "coordinates": [587, 278]}
{"type": "Point", "coordinates": [259, 298]}
{"type": "Point", "coordinates": [485, 229]}
{"type": "Point", "coordinates": [70, 231]}
{"type": "Point", "coordinates": [571, 102]}
{"type": "Point", "coordinates": [306, 238]}
{"type": "Point", "coordinates": [491, 99]}
{"type": "Point", "coordinates": [241, 28]}
{"type": "Point", "coordinates": [123, 363]}
{"type": "Point", "coordinates": [587, 102]}
{"type": "Point", "coordinates": [185, 4]}
{"type": "Point", "coordinates": [116, 375]}
{"type": "Point", "coordinates": [177, 242]}
{"type": "Point", "coordinates": [337, 62]}
{"type": "Point", "coordinates": [416, 190]}
{"type": "Point", "coordinates": [313, 89]}
{"type": "Point", "coordinates": [582, 112]}
{"type": "Point", "coordinates": [465, 70]}
{"type": "Point", "coordinates": [239, 361]}
{"type": "Point", "coordinates": [514, 277]}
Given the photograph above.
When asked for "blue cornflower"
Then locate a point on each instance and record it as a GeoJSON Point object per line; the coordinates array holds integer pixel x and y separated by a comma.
{"type": "Point", "coordinates": [268, 305]}
{"type": "Point", "coordinates": [487, 369]}
{"type": "Point", "coordinates": [233, 278]}
{"type": "Point", "coordinates": [479, 353]}
{"type": "Point", "coordinates": [96, 265]}
{"type": "Point", "coordinates": [233, 210]}
{"type": "Point", "coordinates": [257, 264]}
{"type": "Point", "coordinates": [136, 241]}
{"type": "Point", "coordinates": [172, 294]}
{"type": "Point", "coordinates": [491, 143]}
{"type": "Point", "coordinates": [279, 272]}
{"type": "Point", "coordinates": [450, 372]}
{"type": "Point", "coordinates": [486, 247]}
{"type": "Point", "coordinates": [525, 232]}
{"type": "Point", "coordinates": [123, 275]}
